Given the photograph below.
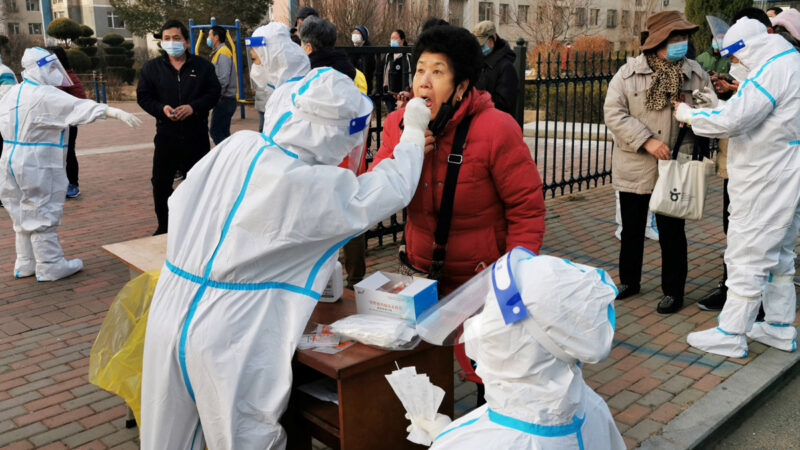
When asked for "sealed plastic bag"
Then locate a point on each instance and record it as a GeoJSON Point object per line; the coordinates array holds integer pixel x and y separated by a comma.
{"type": "Point", "coordinates": [115, 362]}
{"type": "Point", "coordinates": [379, 331]}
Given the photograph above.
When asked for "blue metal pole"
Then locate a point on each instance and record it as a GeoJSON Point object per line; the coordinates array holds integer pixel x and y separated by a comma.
{"type": "Point", "coordinates": [240, 70]}
{"type": "Point", "coordinates": [103, 85]}
{"type": "Point", "coordinates": [96, 87]}
{"type": "Point", "coordinates": [191, 36]}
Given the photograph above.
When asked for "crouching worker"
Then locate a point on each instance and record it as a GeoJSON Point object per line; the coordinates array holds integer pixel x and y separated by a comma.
{"type": "Point", "coordinates": [254, 233]}
{"type": "Point", "coordinates": [535, 320]}
{"type": "Point", "coordinates": [34, 118]}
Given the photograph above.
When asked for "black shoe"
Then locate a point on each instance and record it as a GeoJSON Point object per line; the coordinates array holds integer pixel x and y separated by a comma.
{"type": "Point", "coordinates": [627, 290]}
{"type": "Point", "coordinates": [669, 305]}
{"type": "Point", "coordinates": [715, 299]}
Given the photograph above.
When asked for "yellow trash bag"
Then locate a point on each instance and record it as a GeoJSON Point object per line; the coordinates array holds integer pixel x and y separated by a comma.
{"type": "Point", "coordinates": [115, 363]}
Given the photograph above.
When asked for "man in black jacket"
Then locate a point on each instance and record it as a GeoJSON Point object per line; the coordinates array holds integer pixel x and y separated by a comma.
{"type": "Point", "coordinates": [317, 39]}
{"type": "Point", "coordinates": [498, 75]}
{"type": "Point", "coordinates": [178, 89]}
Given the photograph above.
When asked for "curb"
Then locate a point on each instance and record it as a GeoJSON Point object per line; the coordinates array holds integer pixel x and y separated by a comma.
{"type": "Point", "coordinates": [702, 424]}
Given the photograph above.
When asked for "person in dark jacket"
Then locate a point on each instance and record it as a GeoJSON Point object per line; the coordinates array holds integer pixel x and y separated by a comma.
{"type": "Point", "coordinates": [365, 63]}
{"type": "Point", "coordinates": [178, 89]}
{"type": "Point", "coordinates": [498, 76]}
{"type": "Point", "coordinates": [76, 90]}
{"type": "Point", "coordinates": [397, 73]}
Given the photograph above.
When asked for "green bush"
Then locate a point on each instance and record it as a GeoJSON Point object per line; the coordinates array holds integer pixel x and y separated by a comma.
{"type": "Point", "coordinates": [3, 40]}
{"type": "Point", "coordinates": [86, 31]}
{"type": "Point", "coordinates": [86, 41]}
{"type": "Point", "coordinates": [130, 54]}
{"type": "Point", "coordinates": [95, 62]}
{"type": "Point", "coordinates": [64, 29]}
{"type": "Point", "coordinates": [568, 101]}
{"type": "Point", "coordinates": [127, 45]}
{"type": "Point", "coordinates": [79, 61]}
{"type": "Point", "coordinates": [113, 40]}
{"type": "Point", "coordinates": [123, 73]}
{"type": "Point", "coordinates": [89, 51]}
{"type": "Point", "coordinates": [116, 60]}
{"type": "Point", "coordinates": [114, 51]}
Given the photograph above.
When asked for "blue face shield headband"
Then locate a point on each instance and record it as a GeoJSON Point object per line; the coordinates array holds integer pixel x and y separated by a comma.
{"type": "Point", "coordinates": [731, 49]}
{"type": "Point", "coordinates": [505, 289]}
{"type": "Point", "coordinates": [255, 41]}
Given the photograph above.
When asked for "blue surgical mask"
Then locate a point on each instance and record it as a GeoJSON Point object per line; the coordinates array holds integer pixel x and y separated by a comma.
{"type": "Point", "coordinates": [173, 48]}
{"type": "Point", "coordinates": [677, 50]}
{"type": "Point", "coordinates": [714, 45]}
{"type": "Point", "coordinates": [209, 43]}
{"type": "Point", "coordinates": [394, 43]}
{"type": "Point", "coordinates": [485, 49]}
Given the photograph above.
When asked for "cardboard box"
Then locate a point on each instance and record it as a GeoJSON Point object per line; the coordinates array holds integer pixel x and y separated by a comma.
{"type": "Point", "coordinates": [418, 295]}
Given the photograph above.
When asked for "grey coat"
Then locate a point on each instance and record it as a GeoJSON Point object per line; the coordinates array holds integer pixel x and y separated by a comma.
{"type": "Point", "coordinates": [632, 124]}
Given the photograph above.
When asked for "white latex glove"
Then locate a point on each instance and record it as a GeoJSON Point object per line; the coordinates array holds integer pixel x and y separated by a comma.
{"type": "Point", "coordinates": [129, 119]}
{"type": "Point", "coordinates": [683, 113]}
{"type": "Point", "coordinates": [423, 431]}
{"type": "Point", "coordinates": [415, 122]}
{"type": "Point", "coordinates": [705, 98]}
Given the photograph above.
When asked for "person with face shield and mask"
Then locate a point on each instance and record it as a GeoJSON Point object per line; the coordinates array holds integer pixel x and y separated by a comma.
{"type": "Point", "coordinates": [34, 118]}
{"type": "Point", "coordinates": [529, 323]}
{"type": "Point", "coordinates": [497, 202]}
{"type": "Point", "coordinates": [762, 121]}
{"type": "Point", "coordinates": [253, 237]}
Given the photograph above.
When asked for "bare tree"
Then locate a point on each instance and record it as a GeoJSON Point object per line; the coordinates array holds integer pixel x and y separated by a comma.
{"type": "Point", "coordinates": [549, 21]}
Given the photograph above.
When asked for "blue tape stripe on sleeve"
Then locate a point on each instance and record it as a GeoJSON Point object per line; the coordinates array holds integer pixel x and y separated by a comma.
{"type": "Point", "coordinates": [794, 143]}
{"type": "Point", "coordinates": [467, 423]}
{"type": "Point", "coordinates": [726, 333]}
{"type": "Point", "coordinates": [16, 133]}
{"type": "Point", "coordinates": [612, 316]}
{"type": "Point", "coordinates": [779, 325]}
{"type": "Point", "coordinates": [325, 256]}
{"type": "Point", "coordinates": [36, 144]}
{"type": "Point", "coordinates": [606, 282]}
{"type": "Point", "coordinates": [764, 91]}
{"type": "Point", "coordinates": [537, 430]}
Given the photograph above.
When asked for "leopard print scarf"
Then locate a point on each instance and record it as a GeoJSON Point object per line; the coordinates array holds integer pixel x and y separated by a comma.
{"type": "Point", "coordinates": [667, 82]}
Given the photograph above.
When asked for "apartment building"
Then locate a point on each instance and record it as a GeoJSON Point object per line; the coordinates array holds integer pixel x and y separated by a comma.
{"type": "Point", "coordinates": [97, 14]}
{"type": "Point", "coordinates": [20, 17]}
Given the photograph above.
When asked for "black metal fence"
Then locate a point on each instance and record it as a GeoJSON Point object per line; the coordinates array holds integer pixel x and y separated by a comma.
{"type": "Point", "coordinates": [560, 96]}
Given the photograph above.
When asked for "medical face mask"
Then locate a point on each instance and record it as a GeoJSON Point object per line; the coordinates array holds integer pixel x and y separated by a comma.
{"type": "Point", "coordinates": [714, 45]}
{"type": "Point", "coordinates": [677, 50]}
{"type": "Point", "coordinates": [173, 48]}
{"type": "Point", "coordinates": [258, 76]}
{"type": "Point", "coordinates": [485, 49]}
{"type": "Point", "coordinates": [446, 112]}
{"type": "Point", "coordinates": [394, 43]}
{"type": "Point", "coordinates": [738, 71]}
{"type": "Point", "coordinates": [209, 43]}
{"type": "Point", "coordinates": [357, 39]}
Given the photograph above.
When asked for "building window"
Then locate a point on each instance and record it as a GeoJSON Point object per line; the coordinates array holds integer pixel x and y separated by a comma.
{"type": "Point", "coordinates": [611, 18]}
{"type": "Point", "coordinates": [540, 14]}
{"type": "Point", "coordinates": [34, 28]}
{"type": "Point", "coordinates": [484, 11]}
{"type": "Point", "coordinates": [12, 6]}
{"type": "Point", "coordinates": [58, 14]}
{"type": "Point", "coordinates": [32, 5]}
{"type": "Point", "coordinates": [638, 2]}
{"type": "Point", "coordinates": [594, 17]}
{"type": "Point", "coordinates": [560, 14]}
{"type": "Point", "coordinates": [580, 17]}
{"type": "Point", "coordinates": [522, 14]}
{"type": "Point", "coordinates": [638, 18]}
{"type": "Point", "coordinates": [113, 20]}
{"type": "Point", "coordinates": [503, 13]}
{"type": "Point", "coordinates": [626, 19]}
{"type": "Point", "coordinates": [13, 28]}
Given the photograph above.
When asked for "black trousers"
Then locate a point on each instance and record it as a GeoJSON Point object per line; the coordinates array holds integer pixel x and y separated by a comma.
{"type": "Point", "coordinates": [173, 152]}
{"type": "Point", "coordinates": [671, 238]}
{"type": "Point", "coordinates": [72, 160]}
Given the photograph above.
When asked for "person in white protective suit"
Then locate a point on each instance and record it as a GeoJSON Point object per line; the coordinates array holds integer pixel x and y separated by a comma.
{"type": "Point", "coordinates": [7, 78]}
{"type": "Point", "coordinates": [763, 122]}
{"type": "Point", "coordinates": [539, 319]}
{"type": "Point", "coordinates": [34, 118]}
{"type": "Point", "coordinates": [254, 232]}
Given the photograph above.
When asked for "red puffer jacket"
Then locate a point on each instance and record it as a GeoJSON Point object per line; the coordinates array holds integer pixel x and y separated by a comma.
{"type": "Point", "coordinates": [498, 202]}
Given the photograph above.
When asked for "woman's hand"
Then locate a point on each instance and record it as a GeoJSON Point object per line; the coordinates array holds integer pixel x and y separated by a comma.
{"type": "Point", "coordinates": [430, 141]}
{"type": "Point", "coordinates": [657, 149]}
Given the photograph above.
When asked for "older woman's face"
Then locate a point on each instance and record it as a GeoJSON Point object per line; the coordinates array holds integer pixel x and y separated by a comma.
{"type": "Point", "coordinates": [433, 80]}
{"type": "Point", "coordinates": [662, 51]}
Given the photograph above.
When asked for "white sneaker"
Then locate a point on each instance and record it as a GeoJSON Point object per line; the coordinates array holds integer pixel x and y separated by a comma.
{"type": "Point", "coordinates": [780, 336]}
{"type": "Point", "coordinates": [719, 342]}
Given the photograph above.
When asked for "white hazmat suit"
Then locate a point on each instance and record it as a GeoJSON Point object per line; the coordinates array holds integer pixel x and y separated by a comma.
{"type": "Point", "coordinates": [34, 118]}
{"type": "Point", "coordinates": [763, 123]}
{"type": "Point", "coordinates": [530, 359]}
{"type": "Point", "coordinates": [254, 233]}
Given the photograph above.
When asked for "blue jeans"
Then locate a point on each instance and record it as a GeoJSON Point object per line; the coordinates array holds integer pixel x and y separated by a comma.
{"type": "Point", "coordinates": [220, 127]}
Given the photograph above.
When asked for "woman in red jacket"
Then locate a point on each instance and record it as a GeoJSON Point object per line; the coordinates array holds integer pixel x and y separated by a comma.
{"type": "Point", "coordinates": [498, 198]}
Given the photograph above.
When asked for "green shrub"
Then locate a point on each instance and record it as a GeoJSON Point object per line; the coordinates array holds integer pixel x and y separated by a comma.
{"type": "Point", "coordinates": [113, 40]}
{"type": "Point", "coordinates": [127, 45]}
{"type": "Point", "coordinates": [86, 31]}
{"type": "Point", "coordinates": [95, 62]}
{"type": "Point", "coordinates": [89, 51]}
{"type": "Point", "coordinates": [114, 51]}
{"type": "Point", "coordinates": [123, 73]}
{"type": "Point", "coordinates": [79, 61]}
{"type": "Point", "coordinates": [568, 101]}
{"type": "Point", "coordinates": [3, 40]}
{"type": "Point", "coordinates": [86, 41]}
{"type": "Point", "coordinates": [115, 60]}
{"type": "Point", "coordinates": [64, 29]}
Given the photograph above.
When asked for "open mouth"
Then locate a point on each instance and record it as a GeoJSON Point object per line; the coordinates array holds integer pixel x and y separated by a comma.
{"type": "Point", "coordinates": [428, 101]}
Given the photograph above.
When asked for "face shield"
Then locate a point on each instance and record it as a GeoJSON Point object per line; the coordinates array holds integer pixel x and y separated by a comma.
{"type": "Point", "coordinates": [566, 308]}
{"type": "Point", "coordinates": [718, 29]}
{"type": "Point", "coordinates": [49, 71]}
{"type": "Point", "coordinates": [354, 156]}
{"type": "Point", "coordinates": [259, 77]}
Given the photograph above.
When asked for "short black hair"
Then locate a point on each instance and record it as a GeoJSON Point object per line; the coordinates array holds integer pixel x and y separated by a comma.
{"type": "Point", "coordinates": [402, 35]}
{"type": "Point", "coordinates": [219, 32]}
{"type": "Point", "coordinates": [61, 55]}
{"type": "Point", "coordinates": [318, 32]}
{"type": "Point", "coordinates": [458, 45]}
{"type": "Point", "coordinates": [306, 12]}
{"type": "Point", "coordinates": [753, 13]}
{"type": "Point", "coordinates": [433, 22]}
{"type": "Point", "coordinates": [777, 9]}
{"type": "Point", "coordinates": [175, 23]}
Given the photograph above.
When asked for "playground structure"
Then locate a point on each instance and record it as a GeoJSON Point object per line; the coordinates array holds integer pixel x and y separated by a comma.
{"type": "Point", "coordinates": [236, 45]}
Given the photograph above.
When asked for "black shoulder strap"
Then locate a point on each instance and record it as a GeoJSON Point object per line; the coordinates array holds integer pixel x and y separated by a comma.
{"type": "Point", "coordinates": [681, 134]}
{"type": "Point", "coordinates": [454, 160]}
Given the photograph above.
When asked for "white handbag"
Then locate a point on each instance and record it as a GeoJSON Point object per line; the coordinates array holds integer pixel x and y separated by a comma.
{"type": "Point", "coordinates": [680, 190]}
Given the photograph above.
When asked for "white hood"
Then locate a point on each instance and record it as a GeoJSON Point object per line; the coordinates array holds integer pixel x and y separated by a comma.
{"type": "Point", "coordinates": [282, 58]}
{"type": "Point", "coordinates": [759, 46]}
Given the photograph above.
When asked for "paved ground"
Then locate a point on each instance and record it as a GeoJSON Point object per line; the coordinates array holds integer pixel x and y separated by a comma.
{"type": "Point", "coordinates": [47, 329]}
